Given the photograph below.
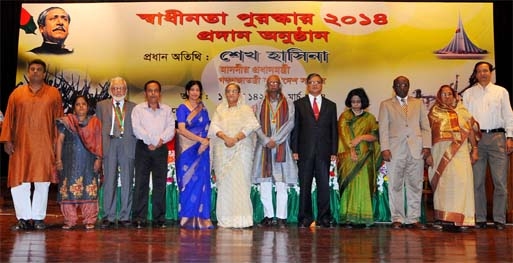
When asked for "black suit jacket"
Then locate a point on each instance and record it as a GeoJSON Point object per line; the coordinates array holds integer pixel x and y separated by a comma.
{"type": "Point", "coordinates": [311, 136]}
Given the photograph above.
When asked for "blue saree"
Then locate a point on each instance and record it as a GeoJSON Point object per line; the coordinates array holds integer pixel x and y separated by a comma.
{"type": "Point", "coordinates": [193, 170]}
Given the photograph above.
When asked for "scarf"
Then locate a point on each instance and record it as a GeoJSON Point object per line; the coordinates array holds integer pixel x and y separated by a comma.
{"type": "Point", "coordinates": [279, 117]}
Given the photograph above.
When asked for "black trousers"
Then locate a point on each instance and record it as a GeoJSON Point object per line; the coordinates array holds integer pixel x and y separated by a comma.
{"type": "Point", "coordinates": [146, 162]}
{"type": "Point", "coordinates": [317, 168]}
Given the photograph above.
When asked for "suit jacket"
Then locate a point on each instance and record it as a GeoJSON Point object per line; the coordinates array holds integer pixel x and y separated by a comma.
{"type": "Point", "coordinates": [400, 134]}
{"type": "Point", "coordinates": [104, 113]}
{"type": "Point", "coordinates": [311, 136]}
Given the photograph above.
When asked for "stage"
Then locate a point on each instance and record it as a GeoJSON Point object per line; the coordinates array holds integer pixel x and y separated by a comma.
{"type": "Point", "coordinates": [379, 243]}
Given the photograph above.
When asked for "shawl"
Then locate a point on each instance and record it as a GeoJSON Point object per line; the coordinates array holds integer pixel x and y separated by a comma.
{"type": "Point", "coordinates": [280, 117]}
{"type": "Point", "coordinates": [445, 126]}
{"type": "Point", "coordinates": [89, 132]}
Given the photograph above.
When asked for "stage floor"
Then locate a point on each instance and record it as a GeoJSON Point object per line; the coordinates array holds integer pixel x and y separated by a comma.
{"type": "Point", "coordinates": [291, 244]}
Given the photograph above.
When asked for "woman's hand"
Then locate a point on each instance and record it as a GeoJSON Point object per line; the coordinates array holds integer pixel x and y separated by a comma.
{"type": "Point", "coordinates": [97, 165]}
{"type": "Point", "coordinates": [474, 155]}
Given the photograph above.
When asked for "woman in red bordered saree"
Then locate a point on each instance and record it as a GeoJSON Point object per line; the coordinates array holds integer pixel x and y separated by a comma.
{"type": "Point", "coordinates": [455, 135]}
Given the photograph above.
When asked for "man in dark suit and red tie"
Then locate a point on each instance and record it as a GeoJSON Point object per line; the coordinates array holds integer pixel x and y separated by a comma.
{"type": "Point", "coordinates": [314, 143]}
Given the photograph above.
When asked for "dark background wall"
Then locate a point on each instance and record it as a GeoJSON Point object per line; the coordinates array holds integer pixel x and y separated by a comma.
{"type": "Point", "coordinates": [9, 28]}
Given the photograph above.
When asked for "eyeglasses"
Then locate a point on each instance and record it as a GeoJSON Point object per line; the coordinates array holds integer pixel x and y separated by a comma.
{"type": "Point", "coordinates": [446, 95]}
{"type": "Point", "coordinates": [401, 85]}
{"type": "Point", "coordinates": [314, 82]}
{"type": "Point", "coordinates": [273, 82]}
{"type": "Point", "coordinates": [117, 88]}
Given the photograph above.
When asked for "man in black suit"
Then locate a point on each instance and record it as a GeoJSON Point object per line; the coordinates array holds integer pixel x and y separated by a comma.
{"type": "Point", "coordinates": [314, 143]}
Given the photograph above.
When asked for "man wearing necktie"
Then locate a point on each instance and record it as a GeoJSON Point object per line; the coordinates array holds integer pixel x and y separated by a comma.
{"type": "Point", "coordinates": [314, 143]}
{"type": "Point", "coordinates": [405, 138]}
{"type": "Point", "coordinates": [119, 152]}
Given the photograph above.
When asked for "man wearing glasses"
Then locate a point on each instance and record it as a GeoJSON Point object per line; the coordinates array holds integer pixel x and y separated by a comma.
{"type": "Point", "coordinates": [119, 141]}
{"type": "Point", "coordinates": [273, 163]}
{"type": "Point", "coordinates": [314, 143]}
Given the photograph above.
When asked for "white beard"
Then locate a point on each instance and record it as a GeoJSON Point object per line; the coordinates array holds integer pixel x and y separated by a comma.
{"type": "Point", "coordinates": [118, 98]}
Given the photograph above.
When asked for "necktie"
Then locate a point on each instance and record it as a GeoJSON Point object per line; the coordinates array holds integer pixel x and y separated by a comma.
{"type": "Point", "coordinates": [117, 121]}
{"type": "Point", "coordinates": [404, 106]}
{"type": "Point", "coordinates": [316, 109]}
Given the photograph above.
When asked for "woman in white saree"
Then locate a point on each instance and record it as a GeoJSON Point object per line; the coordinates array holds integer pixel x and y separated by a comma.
{"type": "Point", "coordinates": [233, 144]}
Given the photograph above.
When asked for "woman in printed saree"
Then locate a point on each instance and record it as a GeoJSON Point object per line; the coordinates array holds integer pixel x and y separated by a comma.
{"type": "Point", "coordinates": [455, 134]}
{"type": "Point", "coordinates": [79, 159]}
{"type": "Point", "coordinates": [193, 160]}
{"type": "Point", "coordinates": [232, 132]}
{"type": "Point", "coordinates": [359, 155]}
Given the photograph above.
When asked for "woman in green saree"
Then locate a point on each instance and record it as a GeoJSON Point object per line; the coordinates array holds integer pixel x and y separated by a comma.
{"type": "Point", "coordinates": [358, 154]}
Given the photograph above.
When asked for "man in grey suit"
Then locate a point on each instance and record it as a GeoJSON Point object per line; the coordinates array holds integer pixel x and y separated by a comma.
{"type": "Point", "coordinates": [119, 151]}
{"type": "Point", "coordinates": [405, 138]}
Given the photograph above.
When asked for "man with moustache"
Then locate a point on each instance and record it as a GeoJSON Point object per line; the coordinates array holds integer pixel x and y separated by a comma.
{"type": "Point", "coordinates": [490, 106]}
{"type": "Point", "coordinates": [53, 24]}
{"type": "Point", "coordinates": [273, 163]}
{"type": "Point", "coordinates": [154, 125]}
{"type": "Point", "coordinates": [29, 134]}
{"type": "Point", "coordinates": [118, 141]}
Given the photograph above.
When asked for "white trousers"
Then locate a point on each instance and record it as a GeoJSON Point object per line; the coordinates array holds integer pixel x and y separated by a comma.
{"type": "Point", "coordinates": [24, 207]}
{"type": "Point", "coordinates": [266, 195]}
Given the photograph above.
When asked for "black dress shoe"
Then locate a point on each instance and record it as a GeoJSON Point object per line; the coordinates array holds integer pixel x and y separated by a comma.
{"type": "Point", "coordinates": [480, 225]}
{"type": "Point", "coordinates": [326, 224]}
{"type": "Point", "coordinates": [499, 226]}
{"type": "Point", "coordinates": [281, 223]}
{"type": "Point", "coordinates": [266, 222]}
{"type": "Point", "coordinates": [22, 224]}
{"type": "Point", "coordinates": [107, 224]}
{"type": "Point", "coordinates": [125, 223]}
{"type": "Point", "coordinates": [140, 224]}
{"type": "Point", "coordinates": [39, 225]}
{"type": "Point", "coordinates": [160, 224]}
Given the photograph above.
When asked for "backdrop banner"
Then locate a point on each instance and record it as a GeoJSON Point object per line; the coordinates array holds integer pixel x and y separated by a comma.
{"type": "Point", "coordinates": [350, 44]}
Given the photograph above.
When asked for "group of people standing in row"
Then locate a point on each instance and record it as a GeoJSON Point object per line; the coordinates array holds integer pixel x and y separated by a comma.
{"type": "Point", "coordinates": [275, 144]}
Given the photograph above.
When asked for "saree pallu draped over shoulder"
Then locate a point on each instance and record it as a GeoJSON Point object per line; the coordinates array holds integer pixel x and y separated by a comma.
{"type": "Point", "coordinates": [451, 176]}
{"type": "Point", "coordinates": [357, 178]}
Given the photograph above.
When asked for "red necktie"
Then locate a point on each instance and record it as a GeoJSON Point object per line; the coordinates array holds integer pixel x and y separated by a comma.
{"type": "Point", "coordinates": [315, 109]}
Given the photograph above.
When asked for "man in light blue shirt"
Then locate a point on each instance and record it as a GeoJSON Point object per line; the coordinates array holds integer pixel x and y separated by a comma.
{"type": "Point", "coordinates": [154, 125]}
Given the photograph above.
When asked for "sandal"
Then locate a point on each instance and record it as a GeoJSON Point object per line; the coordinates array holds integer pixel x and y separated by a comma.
{"type": "Point", "coordinates": [67, 227]}
{"type": "Point", "coordinates": [89, 226]}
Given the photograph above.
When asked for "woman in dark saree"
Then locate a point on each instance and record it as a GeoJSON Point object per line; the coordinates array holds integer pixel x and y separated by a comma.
{"type": "Point", "coordinates": [193, 160]}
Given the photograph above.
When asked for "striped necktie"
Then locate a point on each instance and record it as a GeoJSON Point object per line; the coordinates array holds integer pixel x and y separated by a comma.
{"type": "Point", "coordinates": [404, 106]}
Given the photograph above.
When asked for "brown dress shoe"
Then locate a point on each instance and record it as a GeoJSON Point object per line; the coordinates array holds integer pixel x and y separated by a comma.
{"type": "Point", "coordinates": [397, 225]}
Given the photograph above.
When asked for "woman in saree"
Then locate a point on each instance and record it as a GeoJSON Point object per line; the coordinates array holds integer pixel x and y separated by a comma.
{"type": "Point", "coordinates": [79, 159]}
{"type": "Point", "coordinates": [359, 155]}
{"type": "Point", "coordinates": [193, 159]}
{"type": "Point", "coordinates": [233, 136]}
{"type": "Point", "coordinates": [455, 135]}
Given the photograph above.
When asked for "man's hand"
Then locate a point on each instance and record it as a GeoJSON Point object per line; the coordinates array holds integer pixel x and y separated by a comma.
{"type": "Point", "coordinates": [9, 147]}
{"type": "Point", "coordinates": [387, 155]}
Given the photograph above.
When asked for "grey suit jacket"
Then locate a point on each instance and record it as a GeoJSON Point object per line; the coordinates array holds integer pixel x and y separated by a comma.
{"type": "Point", "coordinates": [400, 134]}
{"type": "Point", "coordinates": [104, 113]}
